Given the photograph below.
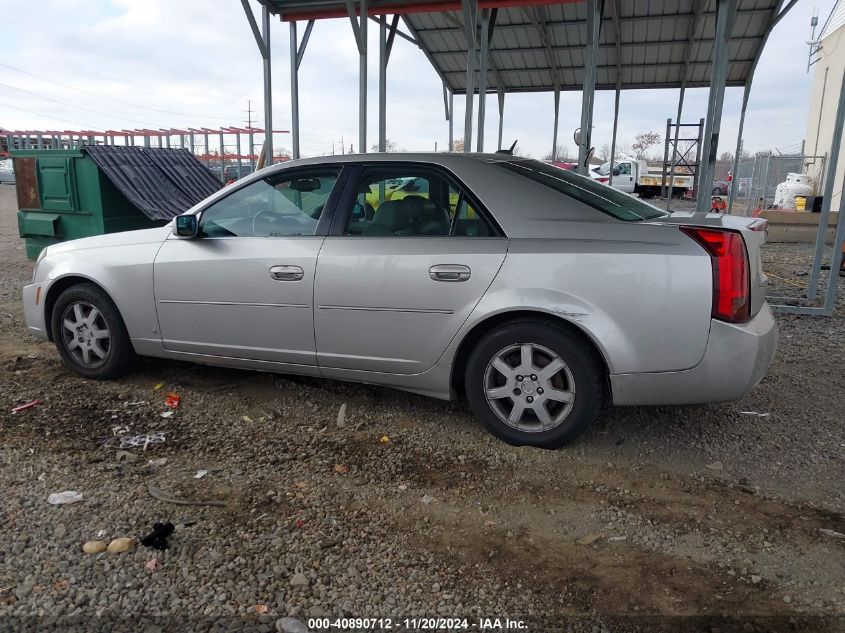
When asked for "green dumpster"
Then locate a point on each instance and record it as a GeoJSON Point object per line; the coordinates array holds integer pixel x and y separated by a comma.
{"type": "Point", "coordinates": [66, 194]}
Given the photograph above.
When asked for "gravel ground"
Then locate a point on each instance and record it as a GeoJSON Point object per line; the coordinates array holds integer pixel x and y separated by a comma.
{"type": "Point", "coordinates": [696, 518]}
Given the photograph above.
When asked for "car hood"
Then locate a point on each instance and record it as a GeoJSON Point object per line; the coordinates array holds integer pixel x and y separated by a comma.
{"type": "Point", "coordinates": [124, 238]}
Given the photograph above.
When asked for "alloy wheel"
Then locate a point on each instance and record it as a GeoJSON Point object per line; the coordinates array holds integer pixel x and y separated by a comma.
{"type": "Point", "coordinates": [529, 387]}
{"type": "Point", "coordinates": [86, 334]}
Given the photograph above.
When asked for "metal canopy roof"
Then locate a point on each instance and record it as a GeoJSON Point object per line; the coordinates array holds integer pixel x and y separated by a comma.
{"type": "Point", "coordinates": [538, 45]}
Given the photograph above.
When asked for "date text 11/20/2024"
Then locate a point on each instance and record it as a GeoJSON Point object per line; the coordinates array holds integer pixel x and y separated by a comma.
{"type": "Point", "coordinates": [416, 624]}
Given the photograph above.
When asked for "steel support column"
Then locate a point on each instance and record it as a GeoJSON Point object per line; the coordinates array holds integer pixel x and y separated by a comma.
{"type": "Point", "coordinates": [359, 30]}
{"type": "Point", "coordinates": [294, 92]}
{"type": "Point", "coordinates": [832, 166]}
{"type": "Point", "coordinates": [451, 121]}
{"type": "Point", "coordinates": [500, 93]}
{"type": "Point", "coordinates": [554, 129]}
{"type": "Point", "coordinates": [262, 40]}
{"type": "Point", "coordinates": [448, 107]}
{"type": "Point", "coordinates": [484, 45]}
{"type": "Point", "coordinates": [382, 84]}
{"type": "Point", "coordinates": [725, 13]}
{"type": "Point", "coordinates": [470, 17]}
{"type": "Point", "coordinates": [615, 125]}
{"type": "Point", "coordinates": [734, 184]}
{"type": "Point", "coordinates": [238, 153]}
{"type": "Point", "coordinates": [222, 159]}
{"type": "Point", "coordinates": [589, 87]}
{"type": "Point", "coordinates": [268, 88]}
{"type": "Point", "coordinates": [297, 50]}
{"type": "Point", "coordinates": [362, 82]}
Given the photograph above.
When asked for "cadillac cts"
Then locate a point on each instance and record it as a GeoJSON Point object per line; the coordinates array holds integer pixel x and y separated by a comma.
{"type": "Point", "coordinates": [539, 294]}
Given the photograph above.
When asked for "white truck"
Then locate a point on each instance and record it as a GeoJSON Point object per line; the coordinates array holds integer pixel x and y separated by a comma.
{"type": "Point", "coordinates": [632, 175]}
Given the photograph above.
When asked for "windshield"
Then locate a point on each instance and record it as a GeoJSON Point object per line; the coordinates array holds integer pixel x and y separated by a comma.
{"type": "Point", "coordinates": [601, 197]}
{"type": "Point", "coordinates": [604, 169]}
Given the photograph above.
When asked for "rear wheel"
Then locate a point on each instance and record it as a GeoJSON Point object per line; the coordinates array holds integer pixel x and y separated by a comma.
{"type": "Point", "coordinates": [89, 333]}
{"type": "Point", "coordinates": [534, 384]}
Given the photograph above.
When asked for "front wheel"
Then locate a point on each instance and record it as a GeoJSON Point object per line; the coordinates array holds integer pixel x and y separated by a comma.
{"type": "Point", "coordinates": [534, 384]}
{"type": "Point", "coordinates": [89, 333]}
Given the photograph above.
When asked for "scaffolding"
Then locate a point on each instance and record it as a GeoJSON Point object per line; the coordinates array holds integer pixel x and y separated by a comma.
{"type": "Point", "coordinates": [681, 155]}
{"type": "Point", "coordinates": [228, 151]}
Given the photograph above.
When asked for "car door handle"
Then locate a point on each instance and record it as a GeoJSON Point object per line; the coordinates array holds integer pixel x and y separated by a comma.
{"type": "Point", "coordinates": [286, 273]}
{"type": "Point", "coordinates": [449, 272]}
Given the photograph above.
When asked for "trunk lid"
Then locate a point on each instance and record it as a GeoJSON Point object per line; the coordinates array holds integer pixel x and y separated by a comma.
{"type": "Point", "coordinates": [754, 233]}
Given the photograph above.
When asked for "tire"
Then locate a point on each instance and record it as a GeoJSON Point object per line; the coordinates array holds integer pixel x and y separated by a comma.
{"type": "Point", "coordinates": [582, 375]}
{"type": "Point", "coordinates": [76, 306]}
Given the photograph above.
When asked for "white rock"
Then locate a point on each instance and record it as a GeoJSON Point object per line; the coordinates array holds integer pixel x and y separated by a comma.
{"type": "Point", "coordinates": [120, 545]}
{"type": "Point", "coordinates": [299, 580]}
{"type": "Point", "coordinates": [341, 416]}
{"type": "Point", "coordinates": [94, 547]}
{"type": "Point", "coordinates": [290, 625]}
{"type": "Point", "coordinates": [62, 498]}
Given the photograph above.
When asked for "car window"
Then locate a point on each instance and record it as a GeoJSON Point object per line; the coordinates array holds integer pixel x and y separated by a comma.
{"type": "Point", "coordinates": [398, 202]}
{"type": "Point", "coordinates": [623, 169]}
{"type": "Point", "coordinates": [401, 202]}
{"type": "Point", "coordinates": [282, 207]}
{"type": "Point", "coordinates": [466, 221]}
{"type": "Point", "coordinates": [601, 197]}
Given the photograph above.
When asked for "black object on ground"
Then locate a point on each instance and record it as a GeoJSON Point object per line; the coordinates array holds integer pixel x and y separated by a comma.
{"type": "Point", "coordinates": [157, 539]}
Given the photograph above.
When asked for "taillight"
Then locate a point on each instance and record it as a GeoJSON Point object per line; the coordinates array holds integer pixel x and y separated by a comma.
{"type": "Point", "coordinates": [602, 180]}
{"type": "Point", "coordinates": [731, 288]}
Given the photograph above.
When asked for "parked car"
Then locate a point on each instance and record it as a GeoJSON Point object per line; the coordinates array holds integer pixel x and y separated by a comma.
{"type": "Point", "coordinates": [720, 187]}
{"type": "Point", "coordinates": [7, 172]}
{"type": "Point", "coordinates": [231, 171]}
{"type": "Point", "coordinates": [542, 296]}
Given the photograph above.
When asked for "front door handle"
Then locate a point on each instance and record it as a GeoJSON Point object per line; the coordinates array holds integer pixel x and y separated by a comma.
{"type": "Point", "coordinates": [449, 272]}
{"type": "Point", "coordinates": [286, 273]}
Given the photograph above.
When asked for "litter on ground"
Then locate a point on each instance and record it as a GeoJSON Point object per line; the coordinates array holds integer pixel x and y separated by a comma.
{"type": "Point", "coordinates": [63, 498]}
{"type": "Point", "coordinates": [26, 405]}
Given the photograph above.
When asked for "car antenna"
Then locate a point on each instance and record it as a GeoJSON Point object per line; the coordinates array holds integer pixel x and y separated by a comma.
{"type": "Point", "coordinates": [508, 151]}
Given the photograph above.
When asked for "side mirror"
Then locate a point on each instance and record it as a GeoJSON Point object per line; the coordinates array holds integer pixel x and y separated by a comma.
{"type": "Point", "coordinates": [185, 225]}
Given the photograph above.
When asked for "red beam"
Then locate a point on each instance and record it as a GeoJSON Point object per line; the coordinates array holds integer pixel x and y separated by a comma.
{"type": "Point", "coordinates": [432, 6]}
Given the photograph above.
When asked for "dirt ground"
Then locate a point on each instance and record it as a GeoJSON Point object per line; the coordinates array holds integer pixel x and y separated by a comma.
{"type": "Point", "coordinates": [698, 518]}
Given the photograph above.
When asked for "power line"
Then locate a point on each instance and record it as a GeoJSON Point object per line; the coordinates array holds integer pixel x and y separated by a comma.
{"type": "Point", "coordinates": [102, 96]}
{"type": "Point", "coordinates": [70, 105]}
{"type": "Point", "coordinates": [85, 125]}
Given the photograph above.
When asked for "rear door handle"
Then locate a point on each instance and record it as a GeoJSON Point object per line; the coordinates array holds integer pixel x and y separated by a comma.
{"type": "Point", "coordinates": [286, 273]}
{"type": "Point", "coordinates": [449, 272]}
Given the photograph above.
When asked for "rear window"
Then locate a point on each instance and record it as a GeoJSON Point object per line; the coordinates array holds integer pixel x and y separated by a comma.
{"type": "Point", "coordinates": [601, 197]}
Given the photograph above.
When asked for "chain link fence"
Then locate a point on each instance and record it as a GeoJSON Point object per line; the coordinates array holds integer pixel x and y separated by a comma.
{"type": "Point", "coordinates": [758, 177]}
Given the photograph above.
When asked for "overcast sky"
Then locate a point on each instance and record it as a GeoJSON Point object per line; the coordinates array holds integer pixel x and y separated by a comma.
{"type": "Point", "coordinates": [71, 64]}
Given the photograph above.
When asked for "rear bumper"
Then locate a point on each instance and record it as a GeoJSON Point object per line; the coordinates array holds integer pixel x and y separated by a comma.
{"type": "Point", "coordinates": [34, 314]}
{"type": "Point", "coordinates": [736, 358]}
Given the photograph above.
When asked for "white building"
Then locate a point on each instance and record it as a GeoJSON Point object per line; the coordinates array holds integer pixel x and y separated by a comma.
{"type": "Point", "coordinates": [827, 82]}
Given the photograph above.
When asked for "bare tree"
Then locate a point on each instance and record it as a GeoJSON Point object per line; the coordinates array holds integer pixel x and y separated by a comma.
{"type": "Point", "coordinates": [643, 141]}
{"type": "Point", "coordinates": [458, 145]}
{"type": "Point", "coordinates": [389, 146]}
{"type": "Point", "coordinates": [604, 152]}
{"type": "Point", "coordinates": [562, 154]}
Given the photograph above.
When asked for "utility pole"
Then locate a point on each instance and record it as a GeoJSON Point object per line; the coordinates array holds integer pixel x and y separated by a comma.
{"type": "Point", "coordinates": [249, 127]}
{"type": "Point", "coordinates": [342, 146]}
{"type": "Point", "coordinates": [248, 113]}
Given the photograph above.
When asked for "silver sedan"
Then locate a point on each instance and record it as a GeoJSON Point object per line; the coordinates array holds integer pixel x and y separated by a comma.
{"type": "Point", "coordinates": [538, 294]}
